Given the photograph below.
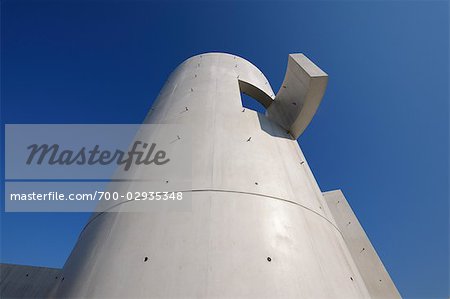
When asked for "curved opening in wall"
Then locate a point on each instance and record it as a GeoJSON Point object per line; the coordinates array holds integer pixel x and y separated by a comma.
{"type": "Point", "coordinates": [253, 98]}
{"type": "Point", "coordinates": [250, 103]}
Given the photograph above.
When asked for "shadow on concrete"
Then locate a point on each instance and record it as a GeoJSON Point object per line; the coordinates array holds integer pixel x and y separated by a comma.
{"type": "Point", "coordinates": [272, 128]}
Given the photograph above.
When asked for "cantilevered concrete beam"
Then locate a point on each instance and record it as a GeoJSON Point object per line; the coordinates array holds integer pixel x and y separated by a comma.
{"type": "Point", "coordinates": [299, 96]}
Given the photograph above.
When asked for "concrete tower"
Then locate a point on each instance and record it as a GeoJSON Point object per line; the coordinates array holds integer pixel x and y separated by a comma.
{"type": "Point", "coordinates": [260, 227]}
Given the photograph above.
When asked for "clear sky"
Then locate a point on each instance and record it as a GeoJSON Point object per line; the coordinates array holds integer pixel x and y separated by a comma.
{"type": "Point", "coordinates": [381, 134]}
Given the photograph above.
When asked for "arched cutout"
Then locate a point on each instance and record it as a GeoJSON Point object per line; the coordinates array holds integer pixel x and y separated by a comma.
{"type": "Point", "coordinates": [255, 93]}
{"type": "Point", "coordinates": [253, 98]}
{"type": "Point", "coordinates": [250, 103]}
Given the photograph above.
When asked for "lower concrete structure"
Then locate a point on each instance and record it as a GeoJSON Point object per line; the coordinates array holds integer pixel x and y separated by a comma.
{"type": "Point", "coordinates": [18, 281]}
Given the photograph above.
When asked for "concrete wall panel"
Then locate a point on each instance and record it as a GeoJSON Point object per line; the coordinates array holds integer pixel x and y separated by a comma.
{"type": "Point", "coordinates": [17, 281]}
{"type": "Point", "coordinates": [375, 276]}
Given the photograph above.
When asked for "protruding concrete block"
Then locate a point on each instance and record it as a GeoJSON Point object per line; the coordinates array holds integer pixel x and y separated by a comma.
{"type": "Point", "coordinates": [299, 96]}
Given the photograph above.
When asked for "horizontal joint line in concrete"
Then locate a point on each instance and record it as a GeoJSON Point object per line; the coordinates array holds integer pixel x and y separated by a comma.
{"type": "Point", "coordinates": [269, 196]}
{"type": "Point", "coordinates": [224, 191]}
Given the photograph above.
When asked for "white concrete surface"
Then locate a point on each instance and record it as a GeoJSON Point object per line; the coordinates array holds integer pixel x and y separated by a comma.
{"type": "Point", "coordinates": [259, 226]}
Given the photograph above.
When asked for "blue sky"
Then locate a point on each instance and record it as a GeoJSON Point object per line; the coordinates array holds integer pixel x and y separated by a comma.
{"type": "Point", "coordinates": [381, 134]}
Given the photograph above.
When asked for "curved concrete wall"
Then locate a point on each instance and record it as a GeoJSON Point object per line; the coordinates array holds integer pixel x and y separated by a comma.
{"type": "Point", "coordinates": [259, 226]}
